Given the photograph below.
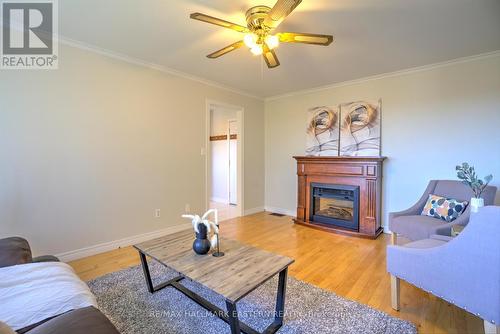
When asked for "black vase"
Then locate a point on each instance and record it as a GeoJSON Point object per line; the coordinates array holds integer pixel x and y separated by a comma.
{"type": "Point", "coordinates": [201, 244]}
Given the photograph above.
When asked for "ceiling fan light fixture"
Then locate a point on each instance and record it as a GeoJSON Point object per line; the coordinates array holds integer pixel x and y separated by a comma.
{"type": "Point", "coordinates": [257, 50]}
{"type": "Point", "coordinates": [250, 40]}
{"type": "Point", "coordinates": [261, 22]}
{"type": "Point", "coordinates": [272, 41]}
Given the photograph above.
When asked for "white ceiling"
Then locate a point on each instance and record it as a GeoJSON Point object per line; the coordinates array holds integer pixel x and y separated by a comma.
{"type": "Point", "coordinates": [371, 37]}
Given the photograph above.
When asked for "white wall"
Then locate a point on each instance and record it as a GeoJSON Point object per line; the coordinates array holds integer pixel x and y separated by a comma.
{"type": "Point", "coordinates": [220, 117]}
{"type": "Point", "coordinates": [89, 151]}
{"type": "Point", "coordinates": [431, 121]}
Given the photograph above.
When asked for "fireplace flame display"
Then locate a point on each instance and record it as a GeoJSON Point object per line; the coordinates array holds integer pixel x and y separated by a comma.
{"type": "Point", "coordinates": [334, 208]}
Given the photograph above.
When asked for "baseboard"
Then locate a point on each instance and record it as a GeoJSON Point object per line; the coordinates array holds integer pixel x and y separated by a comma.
{"type": "Point", "coordinates": [253, 211]}
{"type": "Point", "coordinates": [219, 200]}
{"type": "Point", "coordinates": [111, 245]}
{"type": "Point", "coordinates": [281, 211]}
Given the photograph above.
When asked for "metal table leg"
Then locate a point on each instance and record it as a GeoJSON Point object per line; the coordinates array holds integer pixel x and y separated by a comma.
{"type": "Point", "coordinates": [280, 299]}
{"type": "Point", "coordinates": [232, 314]}
{"type": "Point", "coordinates": [145, 269]}
{"type": "Point", "coordinates": [147, 276]}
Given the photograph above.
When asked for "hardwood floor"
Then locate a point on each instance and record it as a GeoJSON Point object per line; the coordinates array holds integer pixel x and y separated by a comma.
{"type": "Point", "coordinates": [226, 211]}
{"type": "Point", "coordinates": [350, 267]}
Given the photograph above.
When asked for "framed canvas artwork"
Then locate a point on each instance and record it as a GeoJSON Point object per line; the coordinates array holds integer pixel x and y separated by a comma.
{"type": "Point", "coordinates": [360, 128]}
{"type": "Point", "coordinates": [323, 131]}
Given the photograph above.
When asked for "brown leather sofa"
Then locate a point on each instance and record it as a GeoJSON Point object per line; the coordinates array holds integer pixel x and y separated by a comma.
{"type": "Point", "coordinates": [14, 251]}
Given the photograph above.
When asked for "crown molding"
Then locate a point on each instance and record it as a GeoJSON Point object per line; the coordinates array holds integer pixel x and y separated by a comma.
{"type": "Point", "coordinates": [387, 75]}
{"type": "Point", "coordinates": [138, 62]}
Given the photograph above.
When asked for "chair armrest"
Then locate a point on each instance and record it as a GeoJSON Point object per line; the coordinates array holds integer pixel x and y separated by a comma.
{"type": "Point", "coordinates": [45, 258]}
{"type": "Point", "coordinates": [423, 267]}
{"type": "Point", "coordinates": [445, 229]}
{"type": "Point", "coordinates": [416, 208]}
{"type": "Point", "coordinates": [82, 320]}
{"type": "Point", "coordinates": [441, 237]}
{"type": "Point", "coordinates": [13, 251]}
{"type": "Point", "coordinates": [413, 211]}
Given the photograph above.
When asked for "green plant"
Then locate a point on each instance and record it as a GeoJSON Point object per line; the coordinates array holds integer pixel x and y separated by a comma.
{"type": "Point", "coordinates": [468, 176]}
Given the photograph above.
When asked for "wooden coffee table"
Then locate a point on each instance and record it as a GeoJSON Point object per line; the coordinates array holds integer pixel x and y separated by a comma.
{"type": "Point", "coordinates": [233, 276]}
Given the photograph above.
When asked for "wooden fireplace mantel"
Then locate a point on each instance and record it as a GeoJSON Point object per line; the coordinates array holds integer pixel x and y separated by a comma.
{"type": "Point", "coordinates": [363, 172]}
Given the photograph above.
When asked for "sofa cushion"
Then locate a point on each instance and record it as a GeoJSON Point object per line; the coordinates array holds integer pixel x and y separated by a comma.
{"type": "Point", "coordinates": [81, 321]}
{"type": "Point", "coordinates": [33, 292]}
{"type": "Point", "coordinates": [14, 251]}
{"type": "Point", "coordinates": [415, 227]}
{"type": "Point", "coordinates": [425, 243]}
{"type": "Point", "coordinates": [445, 238]}
{"type": "Point", "coordinates": [447, 209]}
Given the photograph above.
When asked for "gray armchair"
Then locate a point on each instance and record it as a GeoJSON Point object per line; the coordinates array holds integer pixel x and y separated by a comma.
{"type": "Point", "coordinates": [410, 224]}
{"type": "Point", "coordinates": [464, 271]}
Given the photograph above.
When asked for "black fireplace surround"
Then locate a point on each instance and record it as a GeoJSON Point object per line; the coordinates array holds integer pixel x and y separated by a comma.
{"type": "Point", "coordinates": [335, 204]}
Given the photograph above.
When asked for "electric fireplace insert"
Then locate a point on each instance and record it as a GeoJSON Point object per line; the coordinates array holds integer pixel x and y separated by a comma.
{"type": "Point", "coordinates": [335, 204]}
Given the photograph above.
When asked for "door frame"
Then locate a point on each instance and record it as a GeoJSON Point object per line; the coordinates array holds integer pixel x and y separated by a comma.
{"type": "Point", "coordinates": [229, 121]}
{"type": "Point", "coordinates": [240, 113]}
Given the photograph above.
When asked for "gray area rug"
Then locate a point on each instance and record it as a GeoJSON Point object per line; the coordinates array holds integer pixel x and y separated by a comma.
{"type": "Point", "coordinates": [124, 298]}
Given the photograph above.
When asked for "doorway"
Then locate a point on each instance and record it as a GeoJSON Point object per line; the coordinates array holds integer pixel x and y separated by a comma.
{"type": "Point", "coordinates": [224, 165]}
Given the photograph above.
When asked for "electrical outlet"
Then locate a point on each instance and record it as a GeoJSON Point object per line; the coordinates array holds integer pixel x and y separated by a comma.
{"type": "Point", "coordinates": [187, 208]}
{"type": "Point", "coordinates": [157, 213]}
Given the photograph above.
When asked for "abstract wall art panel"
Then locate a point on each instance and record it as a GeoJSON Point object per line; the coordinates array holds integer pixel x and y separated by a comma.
{"type": "Point", "coordinates": [323, 131]}
{"type": "Point", "coordinates": [360, 128]}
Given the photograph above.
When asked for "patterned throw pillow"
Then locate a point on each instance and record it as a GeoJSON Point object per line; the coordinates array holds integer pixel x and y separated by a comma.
{"type": "Point", "coordinates": [447, 209]}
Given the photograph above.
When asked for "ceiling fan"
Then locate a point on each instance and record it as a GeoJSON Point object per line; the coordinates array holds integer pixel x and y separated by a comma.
{"type": "Point", "coordinates": [259, 37]}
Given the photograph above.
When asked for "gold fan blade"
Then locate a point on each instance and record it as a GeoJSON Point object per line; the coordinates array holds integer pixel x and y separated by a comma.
{"type": "Point", "coordinates": [270, 57]}
{"type": "Point", "coordinates": [279, 12]}
{"type": "Point", "coordinates": [218, 22]}
{"type": "Point", "coordinates": [291, 37]}
{"type": "Point", "coordinates": [225, 50]}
